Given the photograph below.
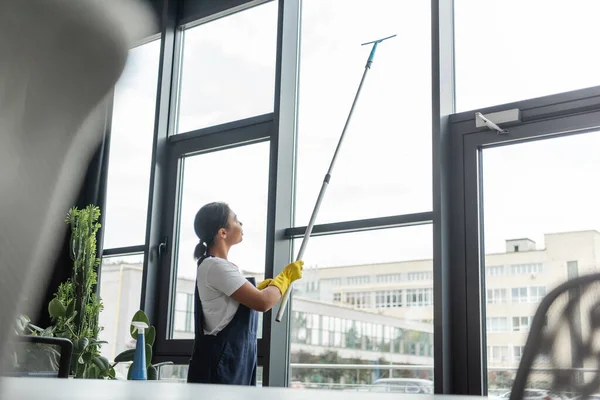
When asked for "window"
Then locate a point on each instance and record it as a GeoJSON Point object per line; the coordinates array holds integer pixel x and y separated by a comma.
{"type": "Point", "coordinates": [497, 324]}
{"type": "Point", "coordinates": [121, 291]}
{"type": "Point", "coordinates": [419, 297]}
{"type": "Point", "coordinates": [184, 312]}
{"type": "Point", "coordinates": [521, 324]}
{"type": "Point", "coordinates": [532, 294]}
{"type": "Point", "coordinates": [572, 269]}
{"type": "Point", "coordinates": [128, 182]}
{"type": "Point", "coordinates": [228, 70]}
{"type": "Point", "coordinates": [179, 373]}
{"type": "Point", "coordinates": [358, 280]}
{"type": "Point", "coordinates": [495, 296]}
{"type": "Point", "coordinates": [331, 57]}
{"type": "Point", "coordinates": [359, 299]}
{"type": "Point", "coordinates": [521, 269]}
{"type": "Point", "coordinates": [537, 293]}
{"type": "Point", "coordinates": [364, 325]}
{"type": "Point", "coordinates": [556, 33]}
{"type": "Point", "coordinates": [497, 354]}
{"type": "Point", "coordinates": [496, 270]}
{"type": "Point", "coordinates": [531, 198]}
{"type": "Point", "coordinates": [388, 299]}
{"type": "Point", "coordinates": [331, 282]}
{"type": "Point", "coordinates": [517, 353]}
{"type": "Point", "coordinates": [242, 183]}
{"type": "Point", "coordinates": [389, 278]}
{"type": "Point", "coordinates": [519, 295]}
{"type": "Point", "coordinates": [420, 276]}
{"type": "Point", "coordinates": [132, 135]}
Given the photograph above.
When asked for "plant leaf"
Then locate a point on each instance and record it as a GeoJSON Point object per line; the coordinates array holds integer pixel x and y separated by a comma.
{"type": "Point", "coordinates": [56, 308]}
{"type": "Point", "coordinates": [129, 371]}
{"type": "Point", "coordinates": [150, 335]}
{"type": "Point", "coordinates": [87, 357]}
{"type": "Point", "coordinates": [152, 373]}
{"type": "Point", "coordinates": [139, 316]}
{"type": "Point", "coordinates": [125, 356]}
{"type": "Point", "coordinates": [80, 345]}
{"type": "Point", "coordinates": [148, 355]}
{"type": "Point", "coordinates": [102, 363]}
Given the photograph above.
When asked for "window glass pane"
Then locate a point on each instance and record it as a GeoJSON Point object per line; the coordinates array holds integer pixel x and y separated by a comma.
{"type": "Point", "coordinates": [371, 326]}
{"type": "Point", "coordinates": [384, 167]}
{"type": "Point", "coordinates": [131, 140]}
{"type": "Point", "coordinates": [121, 291]}
{"type": "Point", "coordinates": [540, 214]}
{"type": "Point", "coordinates": [178, 373]}
{"type": "Point", "coordinates": [228, 70]}
{"type": "Point", "coordinates": [242, 182]}
{"type": "Point", "coordinates": [509, 50]}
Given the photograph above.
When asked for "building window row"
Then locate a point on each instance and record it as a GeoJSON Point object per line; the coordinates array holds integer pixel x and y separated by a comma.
{"type": "Point", "coordinates": [530, 294]}
{"type": "Point", "coordinates": [515, 269]}
{"type": "Point", "coordinates": [389, 278]}
{"type": "Point", "coordinates": [387, 298]}
{"type": "Point", "coordinates": [503, 354]}
{"type": "Point", "coordinates": [333, 332]}
{"type": "Point", "coordinates": [358, 280]}
{"type": "Point", "coordinates": [420, 276]}
{"type": "Point", "coordinates": [504, 324]}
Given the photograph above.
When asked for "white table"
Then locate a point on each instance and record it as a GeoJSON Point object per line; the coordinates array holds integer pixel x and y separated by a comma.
{"type": "Point", "coordinates": [81, 389]}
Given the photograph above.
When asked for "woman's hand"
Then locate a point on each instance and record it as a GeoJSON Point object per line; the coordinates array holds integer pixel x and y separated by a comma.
{"type": "Point", "coordinates": [290, 273]}
{"type": "Point", "coordinates": [267, 293]}
{"type": "Point", "coordinates": [264, 284]}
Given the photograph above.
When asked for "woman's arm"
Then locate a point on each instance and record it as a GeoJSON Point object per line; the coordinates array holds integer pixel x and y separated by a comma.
{"type": "Point", "coordinates": [259, 300]}
{"type": "Point", "coordinates": [264, 300]}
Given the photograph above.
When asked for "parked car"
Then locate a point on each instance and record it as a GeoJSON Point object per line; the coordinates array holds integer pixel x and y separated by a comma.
{"type": "Point", "coordinates": [403, 385]}
{"type": "Point", "coordinates": [530, 394]}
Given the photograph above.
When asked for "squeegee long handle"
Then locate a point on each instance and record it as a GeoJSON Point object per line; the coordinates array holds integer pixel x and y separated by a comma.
{"type": "Point", "coordinates": [313, 217]}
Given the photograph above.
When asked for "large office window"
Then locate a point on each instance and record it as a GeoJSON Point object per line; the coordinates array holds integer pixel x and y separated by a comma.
{"type": "Point", "coordinates": [366, 297]}
{"type": "Point", "coordinates": [384, 324]}
{"type": "Point", "coordinates": [238, 177]}
{"type": "Point", "coordinates": [131, 139]}
{"type": "Point", "coordinates": [509, 50]}
{"type": "Point", "coordinates": [120, 290]}
{"type": "Point", "coordinates": [384, 167]}
{"type": "Point", "coordinates": [539, 214]}
{"type": "Point", "coordinates": [228, 68]}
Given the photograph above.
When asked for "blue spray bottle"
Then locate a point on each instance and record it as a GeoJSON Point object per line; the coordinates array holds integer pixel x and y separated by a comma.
{"type": "Point", "coordinates": [139, 371]}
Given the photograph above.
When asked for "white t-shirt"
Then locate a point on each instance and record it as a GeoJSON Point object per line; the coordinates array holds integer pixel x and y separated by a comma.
{"type": "Point", "coordinates": [218, 279]}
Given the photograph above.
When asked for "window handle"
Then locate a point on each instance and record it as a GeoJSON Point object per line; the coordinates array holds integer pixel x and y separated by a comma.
{"type": "Point", "coordinates": [163, 247]}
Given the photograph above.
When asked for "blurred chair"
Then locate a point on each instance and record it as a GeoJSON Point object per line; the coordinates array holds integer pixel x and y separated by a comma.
{"type": "Point", "coordinates": [39, 356]}
{"type": "Point", "coordinates": [565, 331]}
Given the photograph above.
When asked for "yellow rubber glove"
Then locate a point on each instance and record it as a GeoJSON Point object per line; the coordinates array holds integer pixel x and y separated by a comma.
{"type": "Point", "coordinates": [264, 284]}
{"type": "Point", "coordinates": [289, 274]}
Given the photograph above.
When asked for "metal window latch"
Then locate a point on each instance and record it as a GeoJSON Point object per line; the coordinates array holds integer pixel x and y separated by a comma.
{"type": "Point", "coordinates": [492, 120]}
{"type": "Point", "coordinates": [163, 247]}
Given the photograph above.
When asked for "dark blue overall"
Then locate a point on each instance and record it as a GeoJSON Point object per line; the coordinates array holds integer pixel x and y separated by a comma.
{"type": "Point", "coordinates": [229, 357]}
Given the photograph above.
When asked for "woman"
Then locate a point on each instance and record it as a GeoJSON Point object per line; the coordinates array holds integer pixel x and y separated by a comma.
{"type": "Point", "coordinates": [226, 303]}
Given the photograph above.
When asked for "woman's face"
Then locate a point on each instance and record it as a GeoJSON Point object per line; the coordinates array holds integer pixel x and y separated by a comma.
{"type": "Point", "coordinates": [235, 232]}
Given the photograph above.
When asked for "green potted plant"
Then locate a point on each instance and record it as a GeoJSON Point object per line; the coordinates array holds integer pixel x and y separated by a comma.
{"type": "Point", "coordinates": [149, 337]}
{"type": "Point", "coordinates": [75, 307]}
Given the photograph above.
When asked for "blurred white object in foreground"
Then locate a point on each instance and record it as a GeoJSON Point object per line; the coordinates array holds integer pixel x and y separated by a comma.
{"type": "Point", "coordinates": [58, 62]}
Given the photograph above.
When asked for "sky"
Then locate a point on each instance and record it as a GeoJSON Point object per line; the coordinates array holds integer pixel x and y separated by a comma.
{"type": "Point", "coordinates": [506, 50]}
